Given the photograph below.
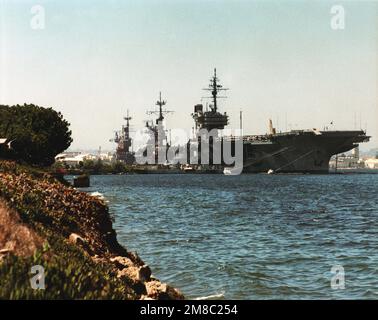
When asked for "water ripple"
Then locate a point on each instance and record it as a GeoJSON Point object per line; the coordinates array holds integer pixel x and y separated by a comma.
{"type": "Point", "coordinates": [251, 236]}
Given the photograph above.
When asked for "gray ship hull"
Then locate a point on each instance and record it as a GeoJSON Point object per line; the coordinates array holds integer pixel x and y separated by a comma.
{"type": "Point", "coordinates": [297, 151]}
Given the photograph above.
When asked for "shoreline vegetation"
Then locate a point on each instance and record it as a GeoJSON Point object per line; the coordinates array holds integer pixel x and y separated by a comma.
{"type": "Point", "coordinates": [68, 232]}
{"type": "Point", "coordinates": [99, 167]}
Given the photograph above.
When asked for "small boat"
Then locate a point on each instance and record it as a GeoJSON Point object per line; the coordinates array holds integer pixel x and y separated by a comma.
{"type": "Point", "coordinates": [188, 168]}
{"type": "Point", "coordinates": [270, 171]}
{"type": "Point", "coordinates": [232, 171]}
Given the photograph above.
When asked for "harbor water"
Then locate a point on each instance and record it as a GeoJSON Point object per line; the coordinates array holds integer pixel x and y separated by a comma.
{"type": "Point", "coordinates": [251, 236]}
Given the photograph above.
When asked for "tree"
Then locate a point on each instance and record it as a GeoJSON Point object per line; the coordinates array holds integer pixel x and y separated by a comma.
{"type": "Point", "coordinates": [38, 133]}
{"type": "Point", "coordinates": [119, 167]}
{"type": "Point", "coordinates": [98, 166]}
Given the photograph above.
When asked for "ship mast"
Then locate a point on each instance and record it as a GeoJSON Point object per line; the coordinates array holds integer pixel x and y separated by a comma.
{"type": "Point", "coordinates": [211, 119]}
{"type": "Point", "coordinates": [158, 134]}
{"type": "Point", "coordinates": [160, 103]}
{"type": "Point", "coordinates": [127, 129]}
{"type": "Point", "coordinates": [161, 112]}
{"type": "Point", "coordinates": [214, 87]}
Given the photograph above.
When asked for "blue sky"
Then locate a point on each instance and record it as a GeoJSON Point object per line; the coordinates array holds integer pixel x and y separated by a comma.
{"type": "Point", "coordinates": [280, 59]}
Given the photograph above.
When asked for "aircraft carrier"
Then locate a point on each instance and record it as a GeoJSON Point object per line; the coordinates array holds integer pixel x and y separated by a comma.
{"type": "Point", "coordinates": [295, 151]}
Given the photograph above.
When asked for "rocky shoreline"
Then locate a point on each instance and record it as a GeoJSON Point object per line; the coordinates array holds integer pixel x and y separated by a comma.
{"type": "Point", "coordinates": [70, 234]}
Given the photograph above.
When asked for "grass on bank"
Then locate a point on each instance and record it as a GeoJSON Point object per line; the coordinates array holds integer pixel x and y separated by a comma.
{"type": "Point", "coordinates": [54, 211]}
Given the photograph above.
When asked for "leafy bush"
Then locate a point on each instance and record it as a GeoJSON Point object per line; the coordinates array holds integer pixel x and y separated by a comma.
{"type": "Point", "coordinates": [38, 133]}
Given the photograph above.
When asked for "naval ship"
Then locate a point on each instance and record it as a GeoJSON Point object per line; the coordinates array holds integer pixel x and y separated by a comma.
{"type": "Point", "coordinates": [157, 136]}
{"type": "Point", "coordinates": [295, 151]}
{"type": "Point", "coordinates": [124, 143]}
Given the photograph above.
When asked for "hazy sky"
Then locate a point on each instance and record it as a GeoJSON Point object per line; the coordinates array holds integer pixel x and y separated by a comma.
{"type": "Point", "coordinates": [280, 59]}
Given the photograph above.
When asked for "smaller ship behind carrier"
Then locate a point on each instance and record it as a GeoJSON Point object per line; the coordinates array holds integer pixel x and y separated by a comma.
{"type": "Point", "coordinates": [124, 151]}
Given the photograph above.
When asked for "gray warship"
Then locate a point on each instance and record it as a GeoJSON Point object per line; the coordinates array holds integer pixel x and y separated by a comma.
{"type": "Point", "coordinates": [295, 151]}
{"type": "Point", "coordinates": [124, 142]}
